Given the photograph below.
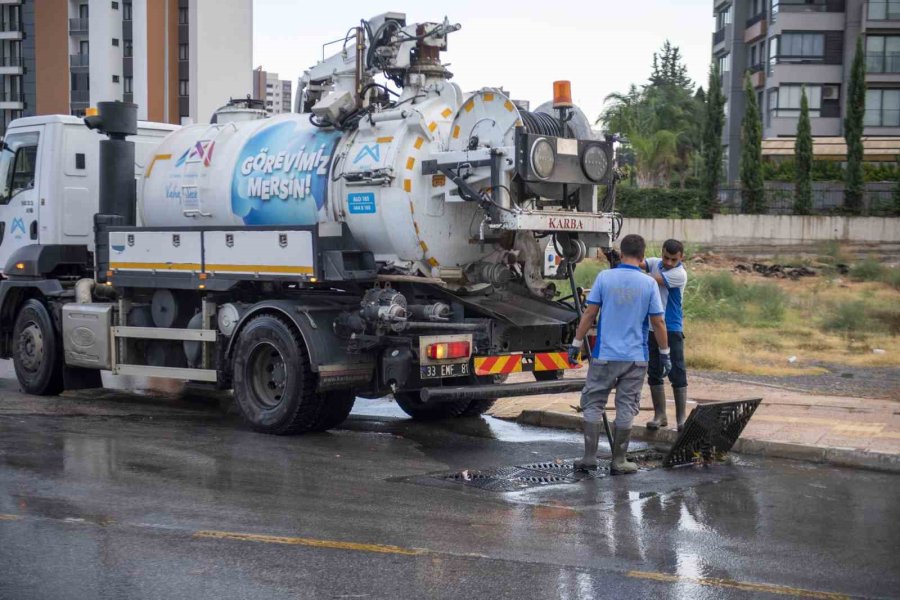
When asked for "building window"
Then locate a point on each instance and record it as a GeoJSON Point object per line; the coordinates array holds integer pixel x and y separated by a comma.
{"type": "Point", "coordinates": [126, 11]}
{"type": "Point", "coordinates": [724, 64]}
{"type": "Point", "coordinates": [115, 79]}
{"type": "Point", "coordinates": [883, 53]}
{"type": "Point", "coordinates": [183, 87]}
{"type": "Point", "coordinates": [724, 17]}
{"type": "Point", "coordinates": [128, 85]}
{"type": "Point", "coordinates": [884, 10]}
{"type": "Point", "coordinates": [182, 16]}
{"type": "Point", "coordinates": [784, 101]}
{"type": "Point", "coordinates": [801, 46]}
{"type": "Point", "coordinates": [756, 58]}
{"type": "Point", "coordinates": [882, 108]}
{"type": "Point", "coordinates": [128, 49]}
{"type": "Point", "coordinates": [115, 6]}
{"type": "Point", "coordinates": [115, 42]}
{"type": "Point", "coordinates": [182, 52]}
{"type": "Point", "coordinates": [83, 11]}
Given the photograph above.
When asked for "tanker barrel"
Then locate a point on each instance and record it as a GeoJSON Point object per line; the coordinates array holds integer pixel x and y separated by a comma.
{"type": "Point", "coordinates": [118, 194]}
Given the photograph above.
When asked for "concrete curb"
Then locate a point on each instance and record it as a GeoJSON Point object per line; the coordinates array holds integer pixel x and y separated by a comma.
{"type": "Point", "coordinates": [839, 457]}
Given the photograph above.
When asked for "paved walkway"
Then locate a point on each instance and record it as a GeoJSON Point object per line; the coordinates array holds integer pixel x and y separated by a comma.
{"type": "Point", "coordinates": [792, 424]}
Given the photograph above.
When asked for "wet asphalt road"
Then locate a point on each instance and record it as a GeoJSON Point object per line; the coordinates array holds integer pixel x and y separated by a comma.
{"type": "Point", "coordinates": [117, 495]}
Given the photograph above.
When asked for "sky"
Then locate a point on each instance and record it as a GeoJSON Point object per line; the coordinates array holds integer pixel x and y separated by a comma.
{"type": "Point", "coordinates": [601, 46]}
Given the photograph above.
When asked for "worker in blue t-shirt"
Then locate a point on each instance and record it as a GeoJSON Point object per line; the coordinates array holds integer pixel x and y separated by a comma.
{"type": "Point", "coordinates": [671, 276]}
{"type": "Point", "coordinates": [627, 301]}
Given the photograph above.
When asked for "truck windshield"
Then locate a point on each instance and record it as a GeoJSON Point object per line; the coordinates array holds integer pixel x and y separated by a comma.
{"type": "Point", "coordinates": [18, 158]}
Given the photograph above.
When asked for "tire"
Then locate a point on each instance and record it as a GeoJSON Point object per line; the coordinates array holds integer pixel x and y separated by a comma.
{"type": "Point", "coordinates": [273, 383]}
{"type": "Point", "coordinates": [480, 406]}
{"type": "Point", "coordinates": [548, 375]}
{"type": "Point", "coordinates": [336, 406]}
{"type": "Point", "coordinates": [37, 351]}
{"type": "Point", "coordinates": [418, 410]}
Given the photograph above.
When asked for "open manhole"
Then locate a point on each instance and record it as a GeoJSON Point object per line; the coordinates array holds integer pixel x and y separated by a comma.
{"type": "Point", "coordinates": [539, 474]}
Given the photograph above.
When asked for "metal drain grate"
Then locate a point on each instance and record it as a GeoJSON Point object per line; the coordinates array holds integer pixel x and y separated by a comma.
{"type": "Point", "coordinates": [710, 431]}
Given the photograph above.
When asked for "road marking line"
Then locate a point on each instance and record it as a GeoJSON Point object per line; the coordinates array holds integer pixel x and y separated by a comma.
{"type": "Point", "coordinates": [737, 585]}
{"type": "Point", "coordinates": [10, 517]}
{"type": "Point", "coordinates": [300, 541]}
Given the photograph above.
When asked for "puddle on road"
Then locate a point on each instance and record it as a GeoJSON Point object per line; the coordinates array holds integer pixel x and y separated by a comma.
{"type": "Point", "coordinates": [484, 427]}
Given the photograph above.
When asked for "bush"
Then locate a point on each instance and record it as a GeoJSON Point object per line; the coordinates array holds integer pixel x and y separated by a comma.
{"type": "Point", "coordinates": [658, 203]}
{"type": "Point", "coordinates": [828, 170]}
{"type": "Point", "coordinates": [718, 296]}
{"type": "Point", "coordinates": [847, 317]}
{"type": "Point", "coordinates": [868, 270]}
{"type": "Point", "coordinates": [891, 276]}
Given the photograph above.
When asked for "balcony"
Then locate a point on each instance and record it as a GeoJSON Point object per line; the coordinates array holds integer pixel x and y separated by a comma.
{"type": "Point", "coordinates": [78, 26]}
{"type": "Point", "coordinates": [884, 10]}
{"type": "Point", "coordinates": [79, 61]}
{"type": "Point", "coordinates": [756, 28]}
{"type": "Point", "coordinates": [11, 30]}
{"type": "Point", "coordinates": [719, 37]}
{"type": "Point", "coordinates": [757, 75]}
{"type": "Point", "coordinates": [12, 101]}
{"type": "Point", "coordinates": [11, 65]}
{"type": "Point", "coordinates": [883, 62]}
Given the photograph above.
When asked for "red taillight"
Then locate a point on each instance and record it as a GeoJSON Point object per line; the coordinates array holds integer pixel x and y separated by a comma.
{"type": "Point", "coordinates": [448, 350]}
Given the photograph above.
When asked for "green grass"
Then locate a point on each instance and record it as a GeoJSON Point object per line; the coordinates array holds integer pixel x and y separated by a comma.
{"type": "Point", "coordinates": [720, 297]}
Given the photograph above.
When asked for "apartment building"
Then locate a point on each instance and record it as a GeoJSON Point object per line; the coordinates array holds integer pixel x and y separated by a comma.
{"type": "Point", "coordinates": [786, 44]}
{"type": "Point", "coordinates": [275, 92]}
{"type": "Point", "coordinates": [178, 60]}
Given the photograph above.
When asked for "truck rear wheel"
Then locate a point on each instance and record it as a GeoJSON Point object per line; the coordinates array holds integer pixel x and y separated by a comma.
{"type": "Point", "coordinates": [37, 352]}
{"type": "Point", "coordinates": [415, 408]}
{"type": "Point", "coordinates": [273, 383]}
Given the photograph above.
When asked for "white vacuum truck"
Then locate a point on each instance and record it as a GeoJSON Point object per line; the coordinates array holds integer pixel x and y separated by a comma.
{"type": "Point", "coordinates": [376, 242]}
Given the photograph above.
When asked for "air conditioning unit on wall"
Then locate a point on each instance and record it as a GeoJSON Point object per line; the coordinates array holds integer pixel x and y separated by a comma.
{"type": "Point", "coordinates": [831, 92]}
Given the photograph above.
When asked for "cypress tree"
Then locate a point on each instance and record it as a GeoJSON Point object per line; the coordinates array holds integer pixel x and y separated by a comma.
{"type": "Point", "coordinates": [711, 147]}
{"type": "Point", "coordinates": [752, 188]}
{"type": "Point", "coordinates": [803, 154]}
{"type": "Point", "coordinates": [853, 130]}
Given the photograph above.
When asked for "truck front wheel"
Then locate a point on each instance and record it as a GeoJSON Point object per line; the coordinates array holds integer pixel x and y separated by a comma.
{"type": "Point", "coordinates": [273, 382]}
{"type": "Point", "coordinates": [37, 355]}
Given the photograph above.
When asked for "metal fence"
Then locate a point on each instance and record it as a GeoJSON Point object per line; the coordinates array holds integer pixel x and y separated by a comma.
{"type": "Point", "coordinates": [878, 200]}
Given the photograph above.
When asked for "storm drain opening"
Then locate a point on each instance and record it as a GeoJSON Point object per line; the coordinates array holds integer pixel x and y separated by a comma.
{"type": "Point", "coordinates": [539, 474]}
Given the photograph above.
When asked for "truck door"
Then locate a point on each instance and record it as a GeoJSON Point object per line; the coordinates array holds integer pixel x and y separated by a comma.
{"type": "Point", "coordinates": [18, 191]}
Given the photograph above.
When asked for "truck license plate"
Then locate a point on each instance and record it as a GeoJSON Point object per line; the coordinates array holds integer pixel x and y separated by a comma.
{"type": "Point", "coordinates": [438, 371]}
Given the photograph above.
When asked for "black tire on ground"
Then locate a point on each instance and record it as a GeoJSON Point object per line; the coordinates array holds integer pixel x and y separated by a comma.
{"type": "Point", "coordinates": [480, 406]}
{"type": "Point", "coordinates": [336, 406]}
{"type": "Point", "coordinates": [274, 385]}
{"type": "Point", "coordinates": [548, 375]}
{"type": "Point", "coordinates": [415, 408]}
{"type": "Point", "coordinates": [37, 350]}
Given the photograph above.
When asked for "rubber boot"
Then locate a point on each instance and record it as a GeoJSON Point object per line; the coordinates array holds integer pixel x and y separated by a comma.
{"type": "Point", "coordinates": [658, 395]}
{"type": "Point", "coordinates": [591, 441]}
{"type": "Point", "coordinates": [680, 406]}
{"type": "Point", "coordinates": [620, 463]}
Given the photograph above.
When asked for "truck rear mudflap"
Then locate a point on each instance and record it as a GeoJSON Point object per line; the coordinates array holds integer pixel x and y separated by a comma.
{"type": "Point", "coordinates": [435, 395]}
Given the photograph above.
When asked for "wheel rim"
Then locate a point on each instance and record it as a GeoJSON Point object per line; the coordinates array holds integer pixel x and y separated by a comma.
{"type": "Point", "coordinates": [267, 374]}
{"type": "Point", "coordinates": [30, 347]}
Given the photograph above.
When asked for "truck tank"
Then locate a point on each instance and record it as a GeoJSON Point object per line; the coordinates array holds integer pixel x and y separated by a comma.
{"type": "Point", "coordinates": [285, 170]}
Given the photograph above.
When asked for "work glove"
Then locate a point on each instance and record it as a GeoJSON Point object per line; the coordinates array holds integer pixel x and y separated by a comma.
{"type": "Point", "coordinates": [665, 364]}
{"type": "Point", "coordinates": [613, 256]}
{"type": "Point", "coordinates": [575, 353]}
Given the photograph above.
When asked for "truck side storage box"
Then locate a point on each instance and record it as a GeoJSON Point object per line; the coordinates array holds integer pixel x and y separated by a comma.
{"type": "Point", "coordinates": [86, 331]}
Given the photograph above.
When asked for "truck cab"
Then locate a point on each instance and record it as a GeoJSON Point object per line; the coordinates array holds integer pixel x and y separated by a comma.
{"type": "Point", "coordinates": [49, 180]}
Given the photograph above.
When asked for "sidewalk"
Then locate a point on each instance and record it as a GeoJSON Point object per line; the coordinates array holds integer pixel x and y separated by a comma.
{"type": "Point", "coordinates": [851, 432]}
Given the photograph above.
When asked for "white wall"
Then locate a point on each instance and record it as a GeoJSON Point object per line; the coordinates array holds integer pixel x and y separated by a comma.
{"type": "Point", "coordinates": [139, 60]}
{"type": "Point", "coordinates": [221, 54]}
{"type": "Point", "coordinates": [762, 230]}
{"type": "Point", "coordinates": [106, 59]}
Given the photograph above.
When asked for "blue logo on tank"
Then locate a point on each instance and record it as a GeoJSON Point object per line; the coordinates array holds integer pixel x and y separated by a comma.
{"type": "Point", "coordinates": [361, 204]}
{"type": "Point", "coordinates": [281, 177]}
